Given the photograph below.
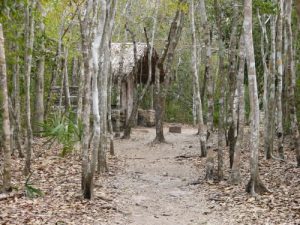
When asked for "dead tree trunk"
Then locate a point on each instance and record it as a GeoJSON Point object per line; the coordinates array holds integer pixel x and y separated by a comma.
{"type": "Point", "coordinates": [255, 185]}
{"type": "Point", "coordinates": [6, 174]}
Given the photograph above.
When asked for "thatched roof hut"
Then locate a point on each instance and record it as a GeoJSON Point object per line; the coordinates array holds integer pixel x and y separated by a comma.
{"type": "Point", "coordinates": [124, 52]}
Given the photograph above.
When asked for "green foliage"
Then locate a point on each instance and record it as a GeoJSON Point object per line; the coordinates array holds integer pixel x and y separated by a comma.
{"type": "Point", "coordinates": [265, 7]}
{"type": "Point", "coordinates": [63, 129]}
{"type": "Point", "coordinates": [31, 191]}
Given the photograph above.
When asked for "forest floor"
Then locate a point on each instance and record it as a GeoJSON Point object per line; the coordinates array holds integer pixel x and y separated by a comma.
{"type": "Point", "coordinates": [152, 185]}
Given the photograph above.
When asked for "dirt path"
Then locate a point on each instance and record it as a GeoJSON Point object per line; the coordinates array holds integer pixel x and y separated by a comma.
{"type": "Point", "coordinates": [154, 187]}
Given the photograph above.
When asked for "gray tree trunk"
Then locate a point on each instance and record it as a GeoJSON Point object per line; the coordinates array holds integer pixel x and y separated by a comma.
{"type": "Point", "coordinates": [292, 85]}
{"type": "Point", "coordinates": [235, 170]}
{"type": "Point", "coordinates": [6, 173]}
{"type": "Point", "coordinates": [39, 85]}
{"type": "Point", "coordinates": [279, 79]}
{"type": "Point", "coordinates": [255, 185]}
{"type": "Point", "coordinates": [197, 97]}
{"type": "Point", "coordinates": [29, 35]}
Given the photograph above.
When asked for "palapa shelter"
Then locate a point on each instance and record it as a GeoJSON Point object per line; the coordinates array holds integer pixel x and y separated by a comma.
{"type": "Point", "coordinates": [130, 74]}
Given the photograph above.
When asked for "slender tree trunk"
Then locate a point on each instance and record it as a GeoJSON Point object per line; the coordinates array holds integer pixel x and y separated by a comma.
{"type": "Point", "coordinates": [39, 99]}
{"type": "Point", "coordinates": [6, 173]}
{"type": "Point", "coordinates": [16, 107]}
{"type": "Point", "coordinates": [292, 85]}
{"type": "Point", "coordinates": [109, 121]}
{"type": "Point", "coordinates": [255, 185]}
{"type": "Point", "coordinates": [279, 79]}
{"type": "Point", "coordinates": [210, 108]}
{"type": "Point", "coordinates": [235, 171]}
{"type": "Point", "coordinates": [197, 97]}
{"type": "Point", "coordinates": [269, 138]}
{"type": "Point", "coordinates": [105, 27]}
{"type": "Point", "coordinates": [87, 173]}
{"type": "Point", "coordinates": [29, 34]}
{"type": "Point", "coordinates": [232, 84]}
{"type": "Point", "coordinates": [80, 91]}
{"type": "Point", "coordinates": [221, 135]}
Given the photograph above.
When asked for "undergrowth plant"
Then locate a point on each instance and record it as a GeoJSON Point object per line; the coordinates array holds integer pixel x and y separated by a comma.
{"type": "Point", "coordinates": [64, 129]}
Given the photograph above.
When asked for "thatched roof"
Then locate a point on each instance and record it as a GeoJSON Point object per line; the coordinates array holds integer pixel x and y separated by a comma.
{"type": "Point", "coordinates": [125, 52]}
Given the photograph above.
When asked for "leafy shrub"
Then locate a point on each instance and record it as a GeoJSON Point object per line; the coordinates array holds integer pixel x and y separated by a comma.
{"type": "Point", "coordinates": [63, 129]}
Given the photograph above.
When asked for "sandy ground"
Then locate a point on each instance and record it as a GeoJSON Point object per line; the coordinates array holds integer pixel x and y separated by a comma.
{"type": "Point", "coordinates": [154, 185]}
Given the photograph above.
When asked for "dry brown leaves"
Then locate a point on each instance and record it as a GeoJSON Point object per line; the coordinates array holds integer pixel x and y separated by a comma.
{"type": "Point", "coordinates": [59, 179]}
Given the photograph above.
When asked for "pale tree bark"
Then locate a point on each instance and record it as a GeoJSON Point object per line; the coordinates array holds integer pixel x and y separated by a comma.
{"type": "Point", "coordinates": [16, 106]}
{"type": "Point", "coordinates": [197, 97]}
{"type": "Point", "coordinates": [108, 8]}
{"type": "Point", "coordinates": [6, 172]}
{"type": "Point", "coordinates": [269, 132]}
{"type": "Point", "coordinates": [255, 185]}
{"type": "Point", "coordinates": [292, 85]}
{"type": "Point", "coordinates": [39, 85]}
{"type": "Point", "coordinates": [165, 62]}
{"type": "Point", "coordinates": [221, 135]}
{"type": "Point", "coordinates": [29, 35]}
{"type": "Point", "coordinates": [87, 169]}
{"type": "Point", "coordinates": [209, 87]}
{"type": "Point", "coordinates": [239, 101]}
{"type": "Point", "coordinates": [279, 79]}
{"type": "Point", "coordinates": [80, 91]}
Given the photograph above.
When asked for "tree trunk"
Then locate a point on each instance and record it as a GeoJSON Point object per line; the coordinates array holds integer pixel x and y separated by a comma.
{"type": "Point", "coordinates": [255, 185]}
{"type": "Point", "coordinates": [87, 173]}
{"type": "Point", "coordinates": [210, 103]}
{"type": "Point", "coordinates": [105, 27]}
{"type": "Point", "coordinates": [29, 34]}
{"type": "Point", "coordinates": [80, 91]}
{"type": "Point", "coordinates": [6, 173]}
{"type": "Point", "coordinates": [235, 171]}
{"type": "Point", "coordinates": [232, 84]}
{"type": "Point", "coordinates": [279, 80]}
{"type": "Point", "coordinates": [109, 121]}
{"type": "Point", "coordinates": [221, 135]}
{"type": "Point", "coordinates": [271, 93]}
{"type": "Point", "coordinates": [197, 97]}
{"type": "Point", "coordinates": [16, 107]}
{"type": "Point", "coordinates": [39, 85]}
{"type": "Point", "coordinates": [292, 85]}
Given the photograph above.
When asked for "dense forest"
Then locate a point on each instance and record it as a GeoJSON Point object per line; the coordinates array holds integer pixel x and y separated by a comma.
{"type": "Point", "coordinates": [89, 88]}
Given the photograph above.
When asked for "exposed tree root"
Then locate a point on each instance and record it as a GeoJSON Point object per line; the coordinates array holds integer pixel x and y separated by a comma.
{"type": "Point", "coordinates": [255, 187]}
